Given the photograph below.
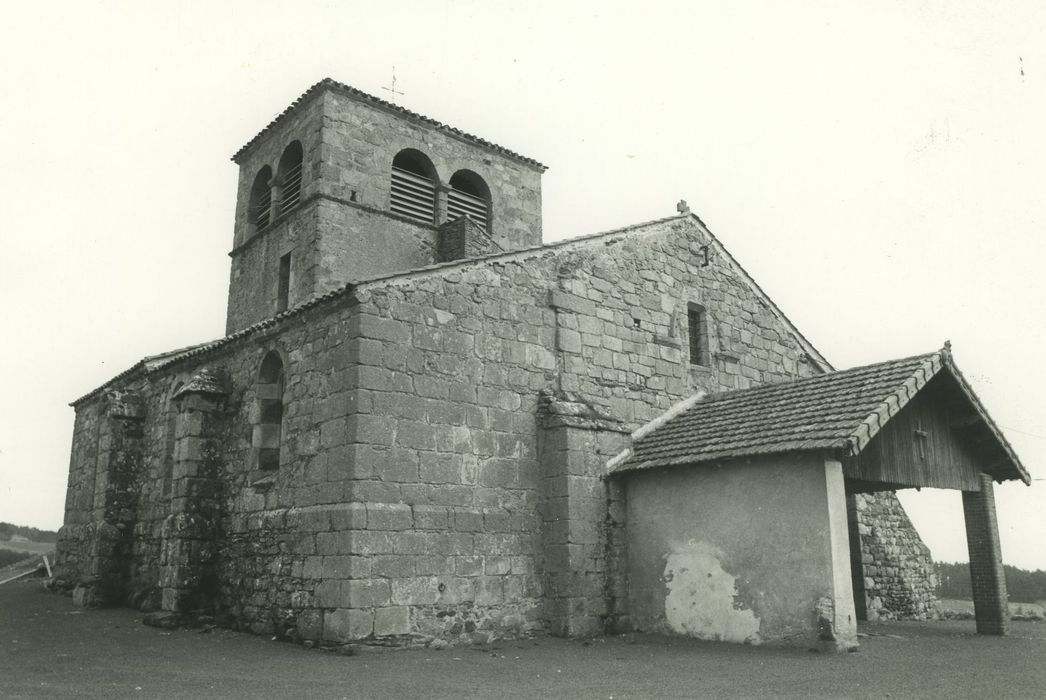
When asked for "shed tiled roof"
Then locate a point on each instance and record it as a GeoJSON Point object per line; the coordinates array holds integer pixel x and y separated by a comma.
{"type": "Point", "coordinates": [329, 84]}
{"type": "Point", "coordinates": [839, 411]}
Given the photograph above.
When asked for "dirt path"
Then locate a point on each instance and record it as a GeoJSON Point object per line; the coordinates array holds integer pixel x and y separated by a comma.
{"type": "Point", "coordinates": [51, 649]}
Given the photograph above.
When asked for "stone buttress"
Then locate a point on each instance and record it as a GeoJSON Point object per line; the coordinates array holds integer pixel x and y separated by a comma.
{"type": "Point", "coordinates": [575, 441]}
{"type": "Point", "coordinates": [191, 531]}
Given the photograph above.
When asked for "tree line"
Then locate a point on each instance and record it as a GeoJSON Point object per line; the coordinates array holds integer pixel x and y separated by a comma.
{"type": "Point", "coordinates": [953, 581]}
{"type": "Point", "coordinates": [7, 531]}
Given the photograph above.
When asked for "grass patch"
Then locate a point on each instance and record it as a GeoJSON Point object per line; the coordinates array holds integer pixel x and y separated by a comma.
{"type": "Point", "coordinates": [29, 547]}
{"type": "Point", "coordinates": [954, 609]}
{"type": "Point", "coordinates": [10, 556]}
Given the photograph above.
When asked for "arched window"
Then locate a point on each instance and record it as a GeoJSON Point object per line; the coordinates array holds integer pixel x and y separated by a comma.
{"type": "Point", "coordinates": [289, 176]}
{"type": "Point", "coordinates": [170, 435]}
{"type": "Point", "coordinates": [414, 186]}
{"type": "Point", "coordinates": [469, 196]}
{"type": "Point", "coordinates": [259, 211]}
{"type": "Point", "coordinates": [268, 397]}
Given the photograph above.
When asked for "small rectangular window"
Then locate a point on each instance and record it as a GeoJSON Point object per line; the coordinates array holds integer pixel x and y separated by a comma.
{"type": "Point", "coordinates": [284, 289]}
{"type": "Point", "coordinates": [697, 328]}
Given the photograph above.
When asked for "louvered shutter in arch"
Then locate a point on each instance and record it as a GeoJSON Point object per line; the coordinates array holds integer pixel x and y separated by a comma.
{"type": "Point", "coordinates": [259, 208]}
{"type": "Point", "coordinates": [413, 186]}
{"type": "Point", "coordinates": [469, 196]}
{"type": "Point", "coordinates": [290, 177]}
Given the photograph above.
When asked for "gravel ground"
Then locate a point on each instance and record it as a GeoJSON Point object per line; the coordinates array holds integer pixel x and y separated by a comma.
{"type": "Point", "coordinates": [51, 649]}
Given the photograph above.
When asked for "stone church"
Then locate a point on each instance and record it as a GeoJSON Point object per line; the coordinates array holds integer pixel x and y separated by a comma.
{"type": "Point", "coordinates": [425, 424]}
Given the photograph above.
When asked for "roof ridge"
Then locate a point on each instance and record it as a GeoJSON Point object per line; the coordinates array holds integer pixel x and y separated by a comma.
{"type": "Point", "coordinates": [967, 389]}
{"type": "Point", "coordinates": [798, 382]}
{"type": "Point", "coordinates": [803, 340]}
{"type": "Point", "coordinates": [815, 414]}
{"type": "Point", "coordinates": [169, 353]}
{"type": "Point", "coordinates": [651, 425]}
{"type": "Point", "coordinates": [520, 252]}
{"type": "Point", "coordinates": [835, 373]}
{"type": "Point", "coordinates": [348, 288]}
{"type": "Point", "coordinates": [887, 409]}
{"type": "Point", "coordinates": [330, 83]}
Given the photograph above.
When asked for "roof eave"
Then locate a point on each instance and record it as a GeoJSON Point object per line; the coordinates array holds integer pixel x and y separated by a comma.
{"type": "Point", "coordinates": [329, 84]}
{"type": "Point", "coordinates": [836, 447]}
{"type": "Point", "coordinates": [349, 288]}
{"type": "Point", "coordinates": [1021, 473]}
{"type": "Point", "coordinates": [893, 403]}
{"type": "Point", "coordinates": [862, 435]}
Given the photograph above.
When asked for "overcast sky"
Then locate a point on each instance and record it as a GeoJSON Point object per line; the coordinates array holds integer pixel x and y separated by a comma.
{"type": "Point", "coordinates": [879, 168]}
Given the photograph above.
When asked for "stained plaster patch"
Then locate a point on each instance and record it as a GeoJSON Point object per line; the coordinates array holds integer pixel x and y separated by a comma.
{"type": "Point", "coordinates": [701, 596]}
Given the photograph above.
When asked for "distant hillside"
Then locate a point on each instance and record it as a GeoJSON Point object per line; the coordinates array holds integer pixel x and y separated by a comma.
{"type": "Point", "coordinates": [1021, 585]}
{"type": "Point", "coordinates": [7, 531]}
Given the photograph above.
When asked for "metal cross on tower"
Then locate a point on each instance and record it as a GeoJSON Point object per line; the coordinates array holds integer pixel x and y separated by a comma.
{"type": "Point", "coordinates": [392, 87]}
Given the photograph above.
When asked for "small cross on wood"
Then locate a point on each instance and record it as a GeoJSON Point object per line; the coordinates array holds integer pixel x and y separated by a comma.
{"type": "Point", "coordinates": [923, 436]}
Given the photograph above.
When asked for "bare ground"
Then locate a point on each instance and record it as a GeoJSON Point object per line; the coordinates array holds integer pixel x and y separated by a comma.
{"type": "Point", "coordinates": [51, 649]}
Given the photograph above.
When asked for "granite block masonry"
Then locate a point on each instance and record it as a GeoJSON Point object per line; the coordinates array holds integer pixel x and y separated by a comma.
{"type": "Point", "coordinates": [404, 434]}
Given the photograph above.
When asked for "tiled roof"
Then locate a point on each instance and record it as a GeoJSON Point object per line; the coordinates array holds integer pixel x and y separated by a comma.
{"type": "Point", "coordinates": [157, 362]}
{"type": "Point", "coordinates": [839, 411]}
{"type": "Point", "coordinates": [329, 84]}
{"type": "Point", "coordinates": [163, 360]}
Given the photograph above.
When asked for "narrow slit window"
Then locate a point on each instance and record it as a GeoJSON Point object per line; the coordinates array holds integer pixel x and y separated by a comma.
{"type": "Point", "coordinates": [697, 330]}
{"type": "Point", "coordinates": [284, 285]}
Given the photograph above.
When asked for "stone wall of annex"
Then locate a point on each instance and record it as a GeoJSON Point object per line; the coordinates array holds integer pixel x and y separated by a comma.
{"type": "Point", "coordinates": [709, 555]}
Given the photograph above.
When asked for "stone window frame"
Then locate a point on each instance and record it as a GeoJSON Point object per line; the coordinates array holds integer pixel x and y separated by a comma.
{"type": "Point", "coordinates": [698, 336]}
{"type": "Point", "coordinates": [267, 430]}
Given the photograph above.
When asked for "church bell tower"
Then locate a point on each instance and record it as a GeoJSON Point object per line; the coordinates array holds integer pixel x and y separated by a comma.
{"type": "Point", "coordinates": [344, 187]}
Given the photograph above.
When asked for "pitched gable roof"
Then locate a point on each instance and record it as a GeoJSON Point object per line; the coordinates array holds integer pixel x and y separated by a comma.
{"type": "Point", "coordinates": [607, 238]}
{"type": "Point", "coordinates": [360, 96]}
{"type": "Point", "coordinates": [808, 347]}
{"type": "Point", "coordinates": [839, 411]}
{"type": "Point", "coordinates": [602, 239]}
